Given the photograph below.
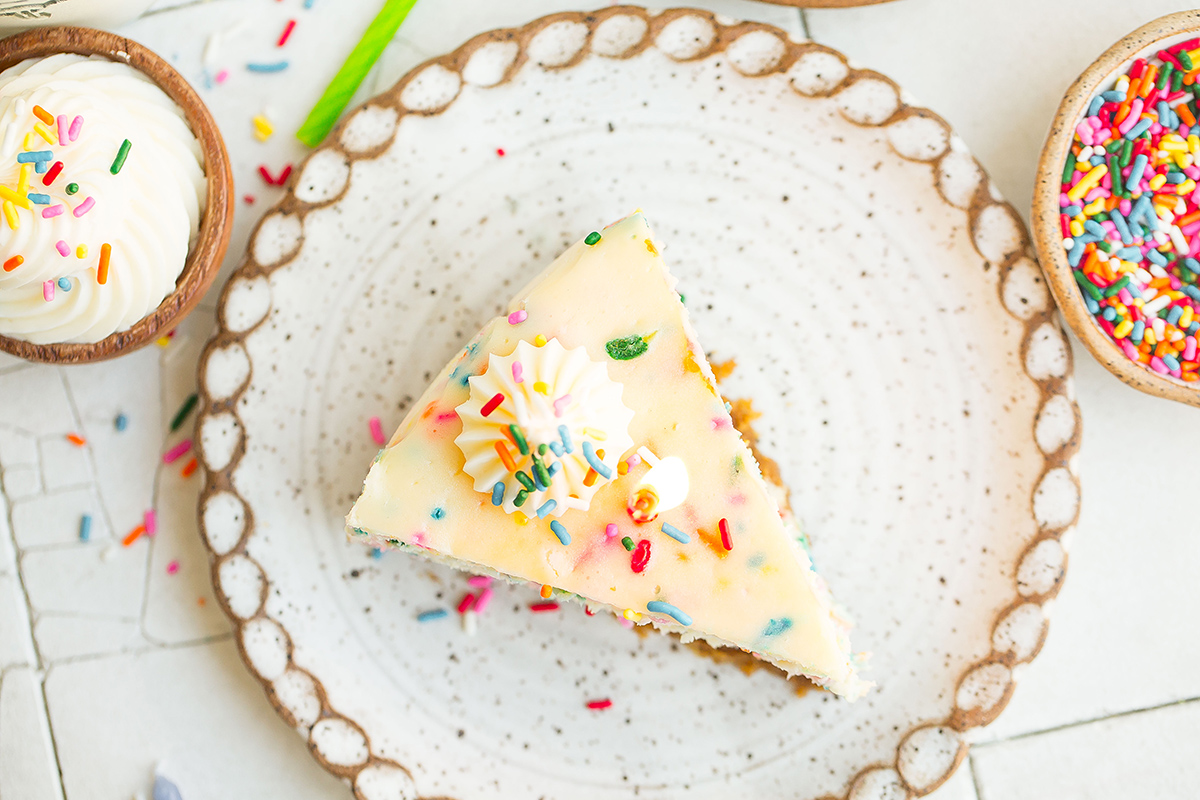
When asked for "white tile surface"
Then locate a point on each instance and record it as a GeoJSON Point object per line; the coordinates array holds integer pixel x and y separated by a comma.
{"type": "Point", "coordinates": [78, 579]}
{"type": "Point", "coordinates": [15, 645]}
{"type": "Point", "coordinates": [64, 637]}
{"type": "Point", "coordinates": [1151, 754]}
{"type": "Point", "coordinates": [27, 768]}
{"type": "Point", "coordinates": [54, 518]}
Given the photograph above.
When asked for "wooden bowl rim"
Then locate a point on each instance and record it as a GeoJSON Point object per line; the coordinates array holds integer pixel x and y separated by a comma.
{"type": "Point", "coordinates": [1045, 210]}
{"type": "Point", "coordinates": [204, 259]}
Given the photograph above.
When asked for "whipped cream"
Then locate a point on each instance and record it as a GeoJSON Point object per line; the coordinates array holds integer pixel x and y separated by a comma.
{"type": "Point", "coordinates": [148, 213]}
{"type": "Point", "coordinates": [563, 404]}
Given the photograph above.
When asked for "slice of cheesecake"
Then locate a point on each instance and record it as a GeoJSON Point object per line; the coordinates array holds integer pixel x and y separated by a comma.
{"type": "Point", "coordinates": [579, 443]}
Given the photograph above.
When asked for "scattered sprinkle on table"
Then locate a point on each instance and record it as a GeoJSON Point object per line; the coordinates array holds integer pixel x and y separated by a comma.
{"type": "Point", "coordinates": [85, 527]}
{"type": "Point", "coordinates": [376, 428]}
{"type": "Point", "coordinates": [482, 601]}
{"type": "Point", "coordinates": [172, 567]}
{"type": "Point", "coordinates": [150, 522]}
{"type": "Point", "coordinates": [177, 451]}
{"type": "Point", "coordinates": [430, 616]}
{"type": "Point", "coordinates": [190, 468]}
{"type": "Point", "coordinates": [287, 33]}
{"type": "Point", "coordinates": [181, 415]}
{"type": "Point", "coordinates": [121, 422]}
{"type": "Point", "coordinates": [599, 705]}
{"type": "Point", "coordinates": [277, 66]}
{"type": "Point", "coordinates": [133, 535]}
{"type": "Point", "coordinates": [1130, 211]}
{"type": "Point", "coordinates": [262, 127]}
{"type": "Point", "coordinates": [549, 605]}
{"type": "Point", "coordinates": [76, 439]}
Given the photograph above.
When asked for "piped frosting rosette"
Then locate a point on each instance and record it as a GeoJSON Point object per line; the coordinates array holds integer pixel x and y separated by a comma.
{"type": "Point", "coordinates": [544, 428]}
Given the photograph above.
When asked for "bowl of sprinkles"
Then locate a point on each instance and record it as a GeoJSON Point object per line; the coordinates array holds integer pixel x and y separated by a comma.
{"type": "Point", "coordinates": [115, 196]}
{"type": "Point", "coordinates": [1116, 209]}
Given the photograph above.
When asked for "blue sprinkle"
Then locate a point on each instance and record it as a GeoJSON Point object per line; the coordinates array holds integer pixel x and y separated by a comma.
{"type": "Point", "coordinates": [1133, 290]}
{"type": "Point", "coordinates": [1138, 333]}
{"type": "Point", "coordinates": [1092, 306]}
{"type": "Point", "coordinates": [566, 439]}
{"type": "Point", "coordinates": [1138, 130]}
{"type": "Point", "coordinates": [1194, 327]}
{"type": "Point", "coordinates": [1122, 226]}
{"type": "Point", "coordinates": [498, 493]}
{"type": "Point", "coordinates": [659, 607]}
{"type": "Point", "coordinates": [41, 167]}
{"type": "Point", "coordinates": [1076, 254]}
{"type": "Point", "coordinates": [557, 449]}
{"type": "Point", "coordinates": [777, 626]}
{"type": "Point", "coordinates": [1156, 257]}
{"type": "Point", "coordinates": [728, 407]}
{"type": "Point", "coordinates": [537, 482]}
{"type": "Point", "coordinates": [594, 462]}
{"type": "Point", "coordinates": [1176, 178]}
{"type": "Point", "coordinates": [40, 199]}
{"type": "Point", "coordinates": [554, 468]}
{"type": "Point", "coordinates": [430, 616]}
{"type": "Point", "coordinates": [1096, 161]}
{"type": "Point", "coordinates": [1113, 96]}
{"type": "Point", "coordinates": [438, 513]}
{"type": "Point", "coordinates": [675, 533]}
{"type": "Point", "coordinates": [85, 527]}
{"type": "Point", "coordinates": [1171, 362]}
{"type": "Point", "coordinates": [309, 4]}
{"type": "Point", "coordinates": [1133, 254]}
{"type": "Point", "coordinates": [165, 790]}
{"type": "Point", "coordinates": [1135, 173]}
{"type": "Point", "coordinates": [1144, 211]}
{"type": "Point", "coordinates": [376, 553]}
{"type": "Point", "coordinates": [1175, 314]}
{"type": "Point", "coordinates": [64, 284]}
{"type": "Point", "coordinates": [122, 422]}
{"type": "Point", "coordinates": [34, 156]}
{"type": "Point", "coordinates": [1110, 314]}
{"type": "Point", "coordinates": [280, 66]}
{"type": "Point", "coordinates": [1073, 211]}
{"type": "Point", "coordinates": [1192, 264]}
{"type": "Point", "coordinates": [560, 531]}
{"type": "Point", "coordinates": [1192, 292]}
{"type": "Point", "coordinates": [546, 508]}
{"type": "Point", "coordinates": [1094, 107]}
{"type": "Point", "coordinates": [1095, 228]}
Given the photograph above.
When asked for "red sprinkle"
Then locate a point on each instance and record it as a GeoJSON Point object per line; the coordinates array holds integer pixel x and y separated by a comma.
{"type": "Point", "coordinates": [726, 539]}
{"type": "Point", "coordinates": [280, 181]}
{"type": "Point", "coordinates": [287, 32]}
{"type": "Point", "coordinates": [599, 705]}
{"type": "Point", "coordinates": [492, 404]}
{"type": "Point", "coordinates": [248, 199]}
{"type": "Point", "coordinates": [500, 152]}
{"type": "Point", "coordinates": [52, 173]}
{"type": "Point", "coordinates": [550, 605]}
{"type": "Point", "coordinates": [641, 556]}
{"type": "Point", "coordinates": [467, 603]}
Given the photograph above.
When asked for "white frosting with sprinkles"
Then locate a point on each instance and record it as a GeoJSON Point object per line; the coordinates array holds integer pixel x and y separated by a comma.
{"type": "Point", "coordinates": [148, 213]}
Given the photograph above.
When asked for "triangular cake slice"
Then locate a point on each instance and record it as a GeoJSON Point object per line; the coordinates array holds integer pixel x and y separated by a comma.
{"type": "Point", "coordinates": [579, 442]}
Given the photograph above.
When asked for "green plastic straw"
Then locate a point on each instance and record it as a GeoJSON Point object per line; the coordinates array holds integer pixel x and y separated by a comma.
{"type": "Point", "coordinates": [364, 55]}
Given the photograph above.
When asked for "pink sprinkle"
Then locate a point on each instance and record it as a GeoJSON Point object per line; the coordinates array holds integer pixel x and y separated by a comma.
{"type": "Point", "coordinates": [599, 705]}
{"type": "Point", "coordinates": [1126, 297]}
{"type": "Point", "coordinates": [178, 450]}
{"type": "Point", "coordinates": [466, 603]}
{"type": "Point", "coordinates": [560, 404]}
{"type": "Point", "coordinates": [518, 372]}
{"type": "Point", "coordinates": [479, 581]}
{"type": "Point", "coordinates": [1130, 351]}
{"type": "Point", "coordinates": [376, 430]}
{"type": "Point", "coordinates": [173, 567]}
{"type": "Point", "coordinates": [48, 290]}
{"type": "Point", "coordinates": [482, 601]}
{"type": "Point", "coordinates": [222, 76]}
{"type": "Point", "coordinates": [1189, 348]}
{"type": "Point", "coordinates": [52, 211]}
{"type": "Point", "coordinates": [63, 248]}
{"type": "Point", "coordinates": [518, 316]}
{"type": "Point", "coordinates": [63, 129]}
{"type": "Point", "coordinates": [1126, 206]}
{"type": "Point", "coordinates": [610, 530]}
{"type": "Point", "coordinates": [84, 207]}
{"type": "Point", "coordinates": [76, 127]}
{"type": "Point", "coordinates": [633, 460]}
{"type": "Point", "coordinates": [150, 521]}
{"type": "Point", "coordinates": [1159, 366]}
{"type": "Point", "coordinates": [721, 422]}
{"type": "Point", "coordinates": [447, 415]}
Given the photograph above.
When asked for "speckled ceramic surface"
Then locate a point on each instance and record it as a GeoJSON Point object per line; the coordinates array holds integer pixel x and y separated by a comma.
{"type": "Point", "coordinates": [887, 319]}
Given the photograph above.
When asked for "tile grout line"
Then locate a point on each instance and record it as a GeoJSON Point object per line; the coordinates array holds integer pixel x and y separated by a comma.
{"type": "Point", "coordinates": [1091, 721]}
{"type": "Point", "coordinates": [804, 24]}
{"type": "Point", "coordinates": [974, 775]}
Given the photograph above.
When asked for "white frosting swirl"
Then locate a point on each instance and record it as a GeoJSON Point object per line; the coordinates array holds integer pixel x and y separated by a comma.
{"type": "Point", "coordinates": [576, 392]}
{"type": "Point", "coordinates": [149, 212]}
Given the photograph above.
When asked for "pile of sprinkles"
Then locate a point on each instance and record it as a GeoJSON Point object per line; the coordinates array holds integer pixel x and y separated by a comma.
{"type": "Point", "coordinates": [50, 131]}
{"type": "Point", "coordinates": [1130, 210]}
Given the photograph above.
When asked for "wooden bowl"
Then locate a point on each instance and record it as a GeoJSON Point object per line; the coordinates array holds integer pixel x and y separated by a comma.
{"type": "Point", "coordinates": [204, 258]}
{"type": "Point", "coordinates": [1047, 234]}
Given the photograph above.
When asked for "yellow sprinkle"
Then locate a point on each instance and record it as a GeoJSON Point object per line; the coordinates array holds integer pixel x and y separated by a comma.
{"type": "Point", "coordinates": [1089, 181]}
{"type": "Point", "coordinates": [23, 179]}
{"type": "Point", "coordinates": [1193, 142]}
{"type": "Point", "coordinates": [1156, 182]}
{"type": "Point", "coordinates": [1076, 228]}
{"type": "Point", "coordinates": [1172, 145]}
{"type": "Point", "coordinates": [81, 251]}
{"type": "Point", "coordinates": [162, 341]}
{"type": "Point", "coordinates": [1187, 187]}
{"type": "Point", "coordinates": [540, 387]}
{"type": "Point", "coordinates": [539, 340]}
{"type": "Point", "coordinates": [651, 248]}
{"type": "Point", "coordinates": [44, 132]}
{"type": "Point", "coordinates": [1094, 208]}
{"type": "Point", "coordinates": [1186, 319]}
{"type": "Point", "coordinates": [520, 518]}
{"type": "Point", "coordinates": [10, 214]}
{"type": "Point", "coordinates": [599, 436]}
{"type": "Point", "coordinates": [27, 143]}
{"type": "Point", "coordinates": [1148, 337]}
{"type": "Point", "coordinates": [262, 128]}
{"type": "Point", "coordinates": [14, 198]}
{"type": "Point", "coordinates": [631, 615]}
{"type": "Point", "coordinates": [1122, 330]}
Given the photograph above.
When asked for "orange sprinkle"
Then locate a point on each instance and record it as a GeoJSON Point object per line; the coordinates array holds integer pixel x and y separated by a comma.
{"type": "Point", "coordinates": [546, 590]}
{"type": "Point", "coordinates": [590, 478]}
{"type": "Point", "coordinates": [1122, 111]}
{"type": "Point", "coordinates": [508, 435]}
{"type": "Point", "coordinates": [1185, 114]}
{"type": "Point", "coordinates": [13, 263]}
{"type": "Point", "coordinates": [190, 468]}
{"type": "Point", "coordinates": [622, 468]}
{"type": "Point", "coordinates": [44, 115]}
{"type": "Point", "coordinates": [200, 601]}
{"type": "Point", "coordinates": [1148, 80]}
{"type": "Point", "coordinates": [1190, 218]}
{"type": "Point", "coordinates": [133, 535]}
{"type": "Point", "coordinates": [102, 270]}
{"type": "Point", "coordinates": [506, 457]}
{"type": "Point", "coordinates": [1191, 377]}
{"type": "Point", "coordinates": [76, 439]}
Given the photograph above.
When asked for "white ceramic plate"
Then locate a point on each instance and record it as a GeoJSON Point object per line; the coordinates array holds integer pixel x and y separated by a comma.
{"type": "Point", "coordinates": [887, 318]}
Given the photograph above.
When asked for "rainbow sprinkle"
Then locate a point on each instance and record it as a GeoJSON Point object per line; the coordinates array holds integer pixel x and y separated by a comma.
{"type": "Point", "coordinates": [675, 533]}
{"type": "Point", "coordinates": [659, 607]}
{"type": "Point", "coordinates": [1130, 211]}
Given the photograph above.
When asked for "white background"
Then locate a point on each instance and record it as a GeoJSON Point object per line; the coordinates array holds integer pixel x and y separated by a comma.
{"type": "Point", "coordinates": [114, 649]}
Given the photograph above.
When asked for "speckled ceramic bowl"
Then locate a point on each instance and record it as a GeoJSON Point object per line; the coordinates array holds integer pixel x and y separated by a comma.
{"type": "Point", "coordinates": [1047, 235]}
{"type": "Point", "coordinates": [204, 258]}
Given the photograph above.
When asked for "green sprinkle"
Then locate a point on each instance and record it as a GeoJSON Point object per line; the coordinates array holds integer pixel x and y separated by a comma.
{"type": "Point", "coordinates": [628, 348]}
{"type": "Point", "coordinates": [1177, 81]}
{"type": "Point", "coordinates": [182, 414]}
{"type": "Point", "coordinates": [627, 543]}
{"type": "Point", "coordinates": [1186, 60]}
{"type": "Point", "coordinates": [1107, 247]}
{"type": "Point", "coordinates": [542, 448]}
{"type": "Point", "coordinates": [525, 480]}
{"type": "Point", "coordinates": [1126, 153]}
{"type": "Point", "coordinates": [542, 473]}
{"type": "Point", "coordinates": [1068, 169]}
{"type": "Point", "coordinates": [1088, 286]}
{"type": "Point", "coordinates": [519, 438]}
{"type": "Point", "coordinates": [520, 499]}
{"type": "Point", "coordinates": [592, 239]}
{"type": "Point", "coordinates": [1113, 289]}
{"type": "Point", "coordinates": [72, 188]}
{"type": "Point", "coordinates": [1164, 76]}
{"type": "Point", "coordinates": [122, 154]}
